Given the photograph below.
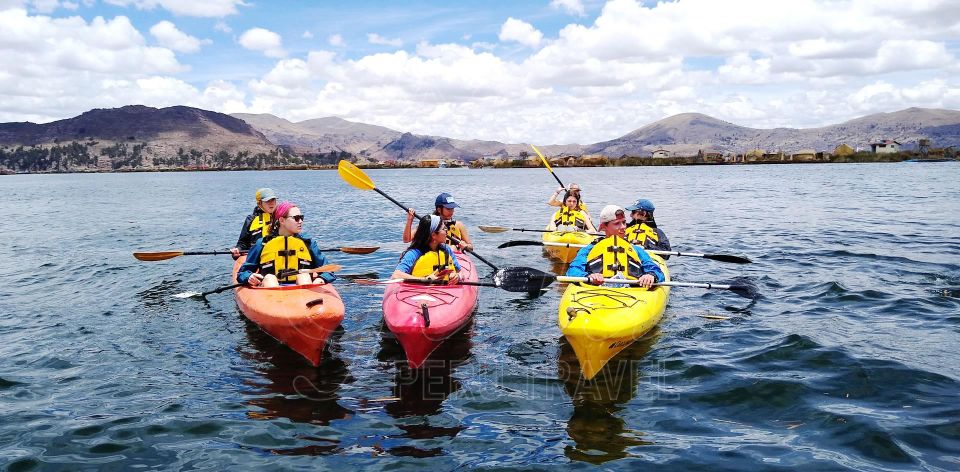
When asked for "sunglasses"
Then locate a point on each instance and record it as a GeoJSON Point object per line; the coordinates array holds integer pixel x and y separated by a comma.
{"type": "Point", "coordinates": [297, 218]}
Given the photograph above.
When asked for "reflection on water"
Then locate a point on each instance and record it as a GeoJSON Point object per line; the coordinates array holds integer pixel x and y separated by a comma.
{"type": "Point", "coordinates": [598, 432]}
{"type": "Point", "coordinates": [421, 392]}
{"type": "Point", "coordinates": [290, 387]}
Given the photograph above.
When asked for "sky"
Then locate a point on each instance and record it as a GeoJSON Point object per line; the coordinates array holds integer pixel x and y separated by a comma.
{"type": "Point", "coordinates": [546, 71]}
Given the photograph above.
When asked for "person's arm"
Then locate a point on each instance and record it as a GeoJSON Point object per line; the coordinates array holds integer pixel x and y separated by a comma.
{"type": "Point", "coordinates": [465, 237]}
{"type": "Point", "coordinates": [578, 266]}
{"type": "Point", "coordinates": [243, 242]}
{"type": "Point", "coordinates": [405, 265]}
{"type": "Point", "coordinates": [553, 198]}
{"type": "Point", "coordinates": [455, 276]}
{"type": "Point", "coordinates": [408, 228]}
{"type": "Point", "coordinates": [320, 260]}
{"type": "Point", "coordinates": [590, 227]}
{"type": "Point", "coordinates": [251, 265]}
{"type": "Point", "coordinates": [649, 267]}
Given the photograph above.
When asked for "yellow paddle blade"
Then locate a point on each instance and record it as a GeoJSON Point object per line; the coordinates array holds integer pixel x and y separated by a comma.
{"type": "Point", "coordinates": [352, 175]}
{"type": "Point", "coordinates": [493, 229]}
{"type": "Point", "coordinates": [157, 256]}
{"type": "Point", "coordinates": [544, 159]}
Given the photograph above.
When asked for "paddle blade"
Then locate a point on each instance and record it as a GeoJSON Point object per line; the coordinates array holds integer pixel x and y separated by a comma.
{"type": "Point", "coordinates": [359, 249]}
{"type": "Point", "coordinates": [157, 256]}
{"type": "Point", "coordinates": [352, 175]}
{"type": "Point", "coordinates": [520, 243]}
{"type": "Point", "coordinates": [727, 258]}
{"type": "Point", "coordinates": [188, 295]}
{"type": "Point", "coordinates": [493, 229]}
{"type": "Point", "coordinates": [523, 279]}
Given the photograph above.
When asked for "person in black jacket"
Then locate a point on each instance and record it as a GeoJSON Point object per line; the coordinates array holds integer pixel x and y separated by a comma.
{"type": "Point", "coordinates": [257, 224]}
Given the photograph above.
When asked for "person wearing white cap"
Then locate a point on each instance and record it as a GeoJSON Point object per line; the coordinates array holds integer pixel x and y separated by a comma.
{"type": "Point", "coordinates": [257, 224]}
{"type": "Point", "coordinates": [456, 231]}
{"type": "Point", "coordinates": [612, 256]}
{"type": "Point", "coordinates": [428, 256]}
{"type": "Point", "coordinates": [643, 230]}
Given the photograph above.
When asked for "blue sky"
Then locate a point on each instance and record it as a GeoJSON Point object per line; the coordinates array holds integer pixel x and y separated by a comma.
{"type": "Point", "coordinates": [549, 71]}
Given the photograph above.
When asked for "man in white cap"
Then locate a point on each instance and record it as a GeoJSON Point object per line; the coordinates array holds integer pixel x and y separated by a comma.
{"type": "Point", "coordinates": [612, 256]}
{"type": "Point", "coordinates": [257, 224]}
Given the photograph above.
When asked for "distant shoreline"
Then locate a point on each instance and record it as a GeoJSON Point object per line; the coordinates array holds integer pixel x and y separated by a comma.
{"type": "Point", "coordinates": [621, 162]}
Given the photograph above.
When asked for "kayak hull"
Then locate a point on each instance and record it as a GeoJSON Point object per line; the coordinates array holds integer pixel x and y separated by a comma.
{"type": "Point", "coordinates": [299, 316]}
{"type": "Point", "coordinates": [449, 308]}
{"type": "Point", "coordinates": [565, 254]}
{"type": "Point", "coordinates": [599, 322]}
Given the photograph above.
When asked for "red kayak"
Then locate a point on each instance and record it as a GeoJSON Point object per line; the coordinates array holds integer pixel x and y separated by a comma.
{"type": "Point", "coordinates": [300, 316]}
{"type": "Point", "coordinates": [423, 316]}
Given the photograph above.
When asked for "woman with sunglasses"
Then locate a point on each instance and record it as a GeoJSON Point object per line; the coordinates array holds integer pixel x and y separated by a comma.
{"type": "Point", "coordinates": [277, 259]}
{"type": "Point", "coordinates": [642, 230]}
{"type": "Point", "coordinates": [428, 255]}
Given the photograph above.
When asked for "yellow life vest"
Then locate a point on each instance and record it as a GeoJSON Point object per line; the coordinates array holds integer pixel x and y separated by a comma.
{"type": "Point", "coordinates": [613, 256]}
{"type": "Point", "coordinates": [568, 217]}
{"type": "Point", "coordinates": [260, 224]}
{"type": "Point", "coordinates": [452, 230]}
{"type": "Point", "coordinates": [284, 253]}
{"type": "Point", "coordinates": [638, 234]}
{"type": "Point", "coordinates": [431, 261]}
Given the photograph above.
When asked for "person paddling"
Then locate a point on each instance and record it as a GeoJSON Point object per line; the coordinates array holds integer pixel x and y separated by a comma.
{"type": "Point", "coordinates": [612, 256]}
{"type": "Point", "coordinates": [277, 259]}
{"type": "Point", "coordinates": [428, 256]}
{"type": "Point", "coordinates": [257, 224]}
{"type": "Point", "coordinates": [574, 189]}
{"type": "Point", "coordinates": [570, 217]}
{"type": "Point", "coordinates": [643, 231]}
{"type": "Point", "coordinates": [444, 208]}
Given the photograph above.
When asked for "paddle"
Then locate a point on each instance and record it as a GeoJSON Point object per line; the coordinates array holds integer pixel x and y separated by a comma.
{"type": "Point", "coordinates": [512, 279]}
{"type": "Point", "coordinates": [713, 257]}
{"type": "Point", "coordinates": [745, 291]}
{"type": "Point", "coordinates": [501, 229]}
{"type": "Point", "coordinates": [547, 164]}
{"type": "Point", "coordinates": [316, 270]}
{"type": "Point", "coordinates": [352, 175]}
{"type": "Point", "coordinates": [164, 255]}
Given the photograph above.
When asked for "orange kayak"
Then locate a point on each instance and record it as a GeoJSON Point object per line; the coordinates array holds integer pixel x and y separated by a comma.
{"type": "Point", "coordinates": [300, 316]}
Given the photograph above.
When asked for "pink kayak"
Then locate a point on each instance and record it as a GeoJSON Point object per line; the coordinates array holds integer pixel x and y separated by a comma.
{"type": "Point", "coordinates": [423, 316]}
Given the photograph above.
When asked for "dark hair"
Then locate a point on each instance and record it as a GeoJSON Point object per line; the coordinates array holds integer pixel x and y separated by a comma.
{"type": "Point", "coordinates": [570, 194]}
{"type": "Point", "coordinates": [421, 238]}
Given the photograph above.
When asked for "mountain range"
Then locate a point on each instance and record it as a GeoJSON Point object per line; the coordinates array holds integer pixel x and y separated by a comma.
{"type": "Point", "coordinates": [168, 131]}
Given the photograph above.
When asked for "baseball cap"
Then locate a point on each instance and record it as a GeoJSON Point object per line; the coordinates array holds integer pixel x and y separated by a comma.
{"type": "Point", "coordinates": [611, 213]}
{"type": "Point", "coordinates": [265, 194]}
{"type": "Point", "coordinates": [446, 200]}
{"type": "Point", "coordinates": [642, 204]}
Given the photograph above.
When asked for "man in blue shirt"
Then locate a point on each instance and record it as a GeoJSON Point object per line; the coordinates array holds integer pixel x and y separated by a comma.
{"type": "Point", "coordinates": [615, 257]}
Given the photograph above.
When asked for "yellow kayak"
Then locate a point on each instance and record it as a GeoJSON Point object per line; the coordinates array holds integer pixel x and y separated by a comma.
{"type": "Point", "coordinates": [565, 254]}
{"type": "Point", "coordinates": [599, 322]}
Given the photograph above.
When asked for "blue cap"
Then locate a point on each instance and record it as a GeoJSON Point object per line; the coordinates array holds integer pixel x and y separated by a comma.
{"type": "Point", "coordinates": [642, 204]}
{"type": "Point", "coordinates": [446, 200]}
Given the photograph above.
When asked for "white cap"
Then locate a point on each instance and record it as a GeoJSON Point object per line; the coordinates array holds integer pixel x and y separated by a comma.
{"type": "Point", "coordinates": [611, 213]}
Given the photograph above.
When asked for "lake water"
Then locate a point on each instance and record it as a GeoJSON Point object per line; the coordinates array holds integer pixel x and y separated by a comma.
{"type": "Point", "coordinates": [848, 360]}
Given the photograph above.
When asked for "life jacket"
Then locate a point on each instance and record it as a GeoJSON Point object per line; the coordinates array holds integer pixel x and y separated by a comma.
{"type": "Point", "coordinates": [432, 261]}
{"type": "Point", "coordinates": [286, 254]}
{"type": "Point", "coordinates": [452, 230]}
{"type": "Point", "coordinates": [639, 233]}
{"type": "Point", "coordinates": [613, 256]}
{"type": "Point", "coordinates": [259, 225]}
{"type": "Point", "coordinates": [570, 218]}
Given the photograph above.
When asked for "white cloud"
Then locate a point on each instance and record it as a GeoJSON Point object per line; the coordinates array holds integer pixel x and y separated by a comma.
{"type": "Point", "coordinates": [170, 37]}
{"type": "Point", "coordinates": [521, 32]}
{"type": "Point", "coordinates": [573, 7]}
{"type": "Point", "coordinates": [374, 38]}
{"type": "Point", "coordinates": [336, 40]}
{"type": "Point", "coordinates": [202, 8]}
{"type": "Point", "coordinates": [45, 6]}
{"type": "Point", "coordinates": [70, 5]}
{"type": "Point", "coordinates": [307, 35]}
{"type": "Point", "coordinates": [222, 27]}
{"type": "Point", "coordinates": [263, 40]}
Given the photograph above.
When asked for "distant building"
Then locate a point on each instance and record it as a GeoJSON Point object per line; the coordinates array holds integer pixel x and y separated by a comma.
{"type": "Point", "coordinates": [885, 146]}
{"type": "Point", "coordinates": [661, 153]}
{"type": "Point", "coordinates": [774, 156]}
{"type": "Point", "coordinates": [710, 155]}
{"type": "Point", "coordinates": [428, 163]}
{"type": "Point", "coordinates": [804, 155]}
{"type": "Point", "coordinates": [754, 155]}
